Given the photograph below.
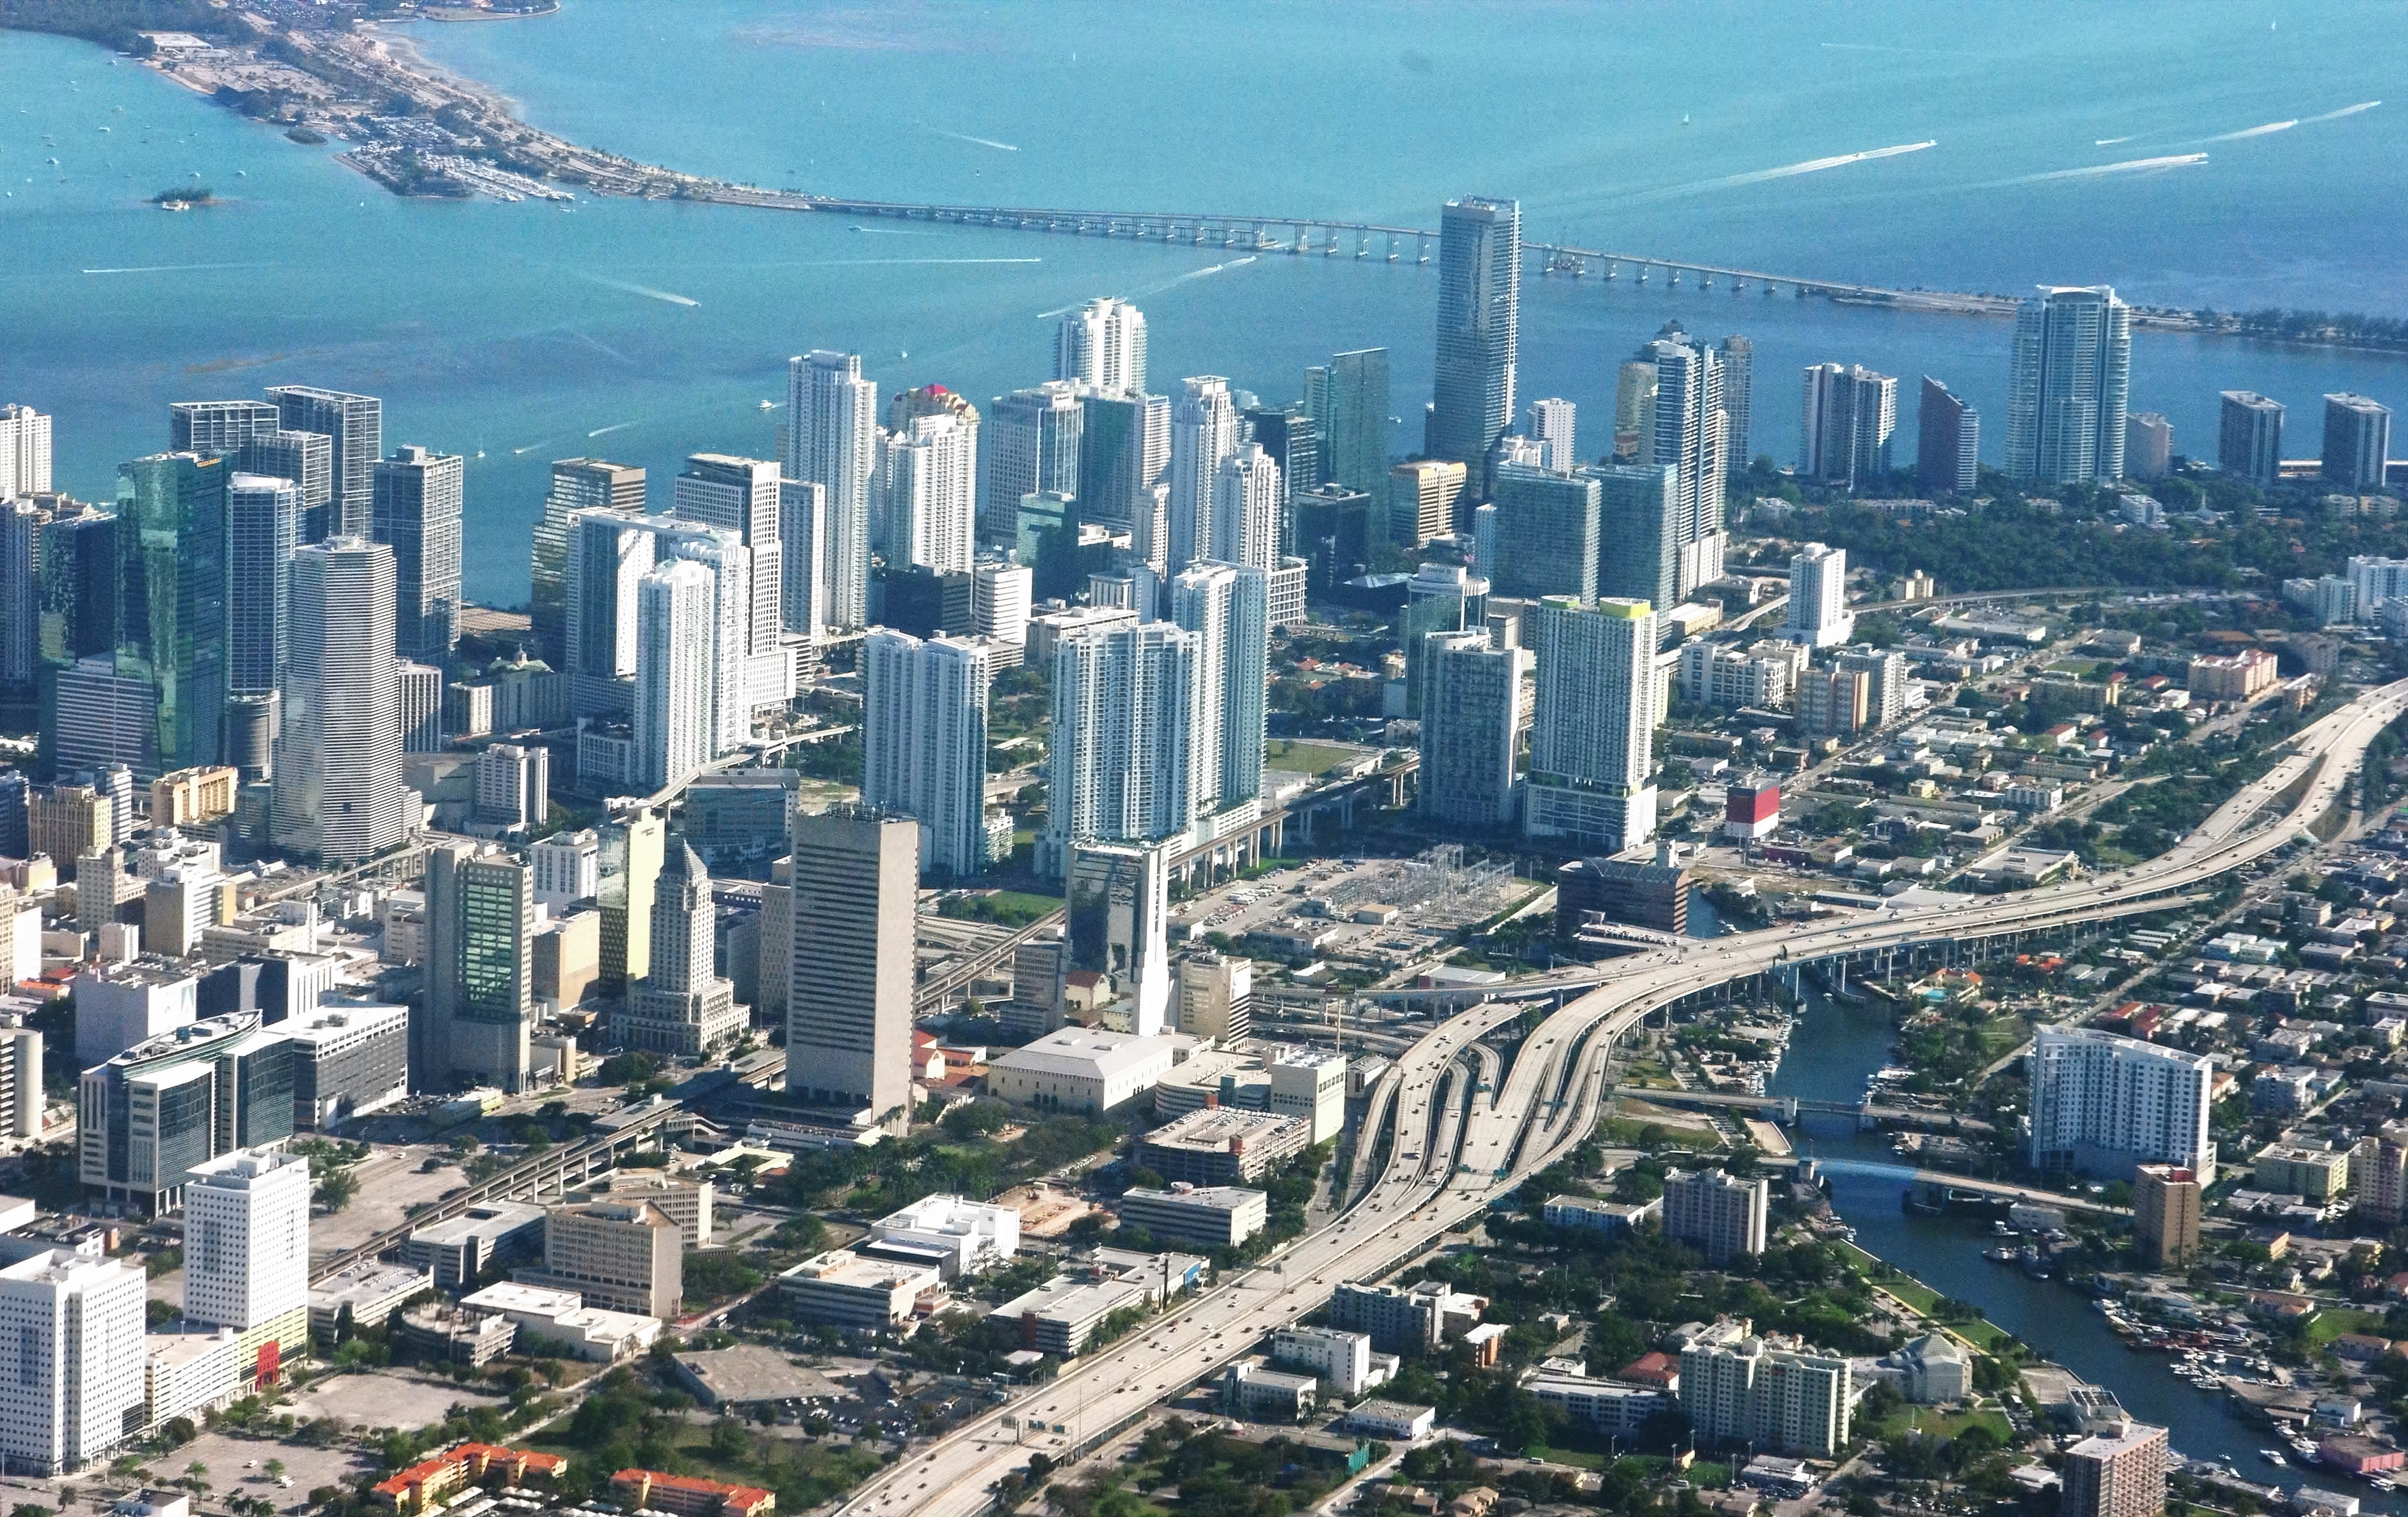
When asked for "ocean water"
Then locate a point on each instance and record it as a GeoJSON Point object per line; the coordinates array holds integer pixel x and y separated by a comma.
{"type": "Point", "coordinates": [1731, 133]}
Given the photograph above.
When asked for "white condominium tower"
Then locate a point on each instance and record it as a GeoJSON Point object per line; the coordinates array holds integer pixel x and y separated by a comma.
{"type": "Point", "coordinates": [1550, 426]}
{"type": "Point", "coordinates": [1591, 745]}
{"type": "Point", "coordinates": [354, 424]}
{"type": "Point", "coordinates": [1203, 432]}
{"type": "Point", "coordinates": [1119, 768]}
{"type": "Point", "coordinates": [676, 637]}
{"type": "Point", "coordinates": [1248, 502]}
{"type": "Point", "coordinates": [1767, 1394]}
{"type": "Point", "coordinates": [1722, 1216]}
{"type": "Point", "coordinates": [1471, 727]}
{"type": "Point", "coordinates": [71, 1360]}
{"type": "Point", "coordinates": [2067, 385]}
{"type": "Point", "coordinates": [1103, 344]}
{"type": "Point", "coordinates": [1818, 597]}
{"type": "Point", "coordinates": [1690, 427]}
{"type": "Point", "coordinates": [247, 1250]}
{"type": "Point", "coordinates": [927, 473]}
{"type": "Point", "coordinates": [741, 495]}
{"type": "Point", "coordinates": [338, 785]}
{"type": "Point", "coordinates": [1845, 425]}
{"type": "Point", "coordinates": [832, 442]}
{"type": "Point", "coordinates": [2104, 1104]}
{"type": "Point", "coordinates": [1227, 606]}
{"type": "Point", "coordinates": [578, 485]}
{"type": "Point", "coordinates": [924, 743]}
{"type": "Point", "coordinates": [24, 451]}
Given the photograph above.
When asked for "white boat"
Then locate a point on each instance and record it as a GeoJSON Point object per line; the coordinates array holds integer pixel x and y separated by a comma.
{"type": "Point", "coordinates": [2272, 1456]}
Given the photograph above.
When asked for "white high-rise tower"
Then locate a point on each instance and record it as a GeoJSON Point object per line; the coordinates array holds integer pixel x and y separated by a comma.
{"type": "Point", "coordinates": [26, 451]}
{"type": "Point", "coordinates": [1592, 744]}
{"type": "Point", "coordinates": [1103, 344]}
{"type": "Point", "coordinates": [1248, 501]}
{"type": "Point", "coordinates": [1818, 597]}
{"type": "Point", "coordinates": [71, 1360]}
{"type": "Point", "coordinates": [247, 1249]}
{"type": "Point", "coordinates": [832, 441]}
{"type": "Point", "coordinates": [2066, 387]}
{"type": "Point", "coordinates": [1227, 606]}
{"type": "Point", "coordinates": [928, 474]}
{"type": "Point", "coordinates": [1203, 432]}
{"type": "Point", "coordinates": [924, 743]}
{"type": "Point", "coordinates": [1119, 768]}
{"type": "Point", "coordinates": [674, 647]}
{"type": "Point", "coordinates": [339, 787]}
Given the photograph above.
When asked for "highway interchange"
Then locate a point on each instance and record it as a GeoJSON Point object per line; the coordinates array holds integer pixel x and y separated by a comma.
{"type": "Point", "coordinates": [1460, 1139]}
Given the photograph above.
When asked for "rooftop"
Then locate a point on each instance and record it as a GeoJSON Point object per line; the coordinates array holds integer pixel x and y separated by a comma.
{"type": "Point", "coordinates": [1089, 1052]}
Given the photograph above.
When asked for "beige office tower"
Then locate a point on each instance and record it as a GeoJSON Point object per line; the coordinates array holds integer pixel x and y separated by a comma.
{"type": "Point", "coordinates": [633, 850]}
{"type": "Point", "coordinates": [2165, 1214]}
{"type": "Point", "coordinates": [2119, 1472]}
{"type": "Point", "coordinates": [856, 873]}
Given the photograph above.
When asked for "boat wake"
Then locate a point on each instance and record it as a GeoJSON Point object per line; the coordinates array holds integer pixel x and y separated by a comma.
{"type": "Point", "coordinates": [1812, 165]}
{"type": "Point", "coordinates": [2129, 165]}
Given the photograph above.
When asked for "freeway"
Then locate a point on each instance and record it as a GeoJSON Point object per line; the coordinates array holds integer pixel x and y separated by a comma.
{"type": "Point", "coordinates": [1456, 1149]}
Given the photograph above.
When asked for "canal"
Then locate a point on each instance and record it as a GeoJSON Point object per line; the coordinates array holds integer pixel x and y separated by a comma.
{"type": "Point", "coordinates": [1835, 1045]}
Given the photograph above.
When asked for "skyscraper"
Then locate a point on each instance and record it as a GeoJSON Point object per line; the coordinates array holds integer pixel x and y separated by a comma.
{"type": "Point", "coordinates": [1203, 432]}
{"type": "Point", "coordinates": [1638, 533]}
{"type": "Point", "coordinates": [928, 474]}
{"type": "Point", "coordinates": [355, 425]}
{"type": "Point", "coordinates": [2357, 441]}
{"type": "Point", "coordinates": [170, 598]}
{"type": "Point", "coordinates": [479, 968]}
{"type": "Point", "coordinates": [803, 535]}
{"type": "Point", "coordinates": [1116, 909]}
{"type": "Point", "coordinates": [1550, 424]}
{"type": "Point", "coordinates": [1440, 599]}
{"type": "Point", "coordinates": [1124, 447]}
{"type": "Point", "coordinates": [848, 1011]}
{"type": "Point", "coordinates": [1031, 446]}
{"type": "Point", "coordinates": [2117, 1473]}
{"type": "Point", "coordinates": [684, 1007]}
{"type": "Point", "coordinates": [1119, 768]}
{"type": "Point", "coordinates": [2067, 385]}
{"type": "Point", "coordinates": [24, 451]}
{"type": "Point", "coordinates": [676, 669]}
{"type": "Point", "coordinates": [1719, 1213]}
{"type": "Point", "coordinates": [2105, 1105]}
{"type": "Point", "coordinates": [21, 596]}
{"type": "Point", "coordinates": [1634, 411]}
{"type": "Point", "coordinates": [1227, 606]}
{"type": "Point", "coordinates": [247, 1254]}
{"type": "Point", "coordinates": [1948, 441]}
{"type": "Point", "coordinates": [578, 485]}
{"type": "Point", "coordinates": [2148, 445]}
{"type": "Point", "coordinates": [1844, 425]}
{"type": "Point", "coordinates": [1591, 745]}
{"type": "Point", "coordinates": [1549, 533]}
{"type": "Point", "coordinates": [924, 743]}
{"type": "Point", "coordinates": [1479, 327]}
{"type": "Point", "coordinates": [76, 1384]}
{"type": "Point", "coordinates": [1249, 506]}
{"type": "Point", "coordinates": [339, 787]}
{"type": "Point", "coordinates": [1689, 435]}
{"type": "Point", "coordinates": [306, 458]}
{"type": "Point", "coordinates": [263, 527]}
{"type": "Point", "coordinates": [832, 441]}
{"type": "Point", "coordinates": [1818, 597]}
{"type": "Point", "coordinates": [1421, 497]}
{"type": "Point", "coordinates": [415, 509]}
{"type": "Point", "coordinates": [632, 849]}
{"type": "Point", "coordinates": [2249, 438]}
{"type": "Point", "coordinates": [219, 426]}
{"type": "Point", "coordinates": [1348, 399]}
{"type": "Point", "coordinates": [2165, 1215]}
{"type": "Point", "coordinates": [1738, 394]}
{"type": "Point", "coordinates": [1291, 438]}
{"type": "Point", "coordinates": [1471, 728]}
{"type": "Point", "coordinates": [1102, 345]}
{"type": "Point", "coordinates": [743, 496]}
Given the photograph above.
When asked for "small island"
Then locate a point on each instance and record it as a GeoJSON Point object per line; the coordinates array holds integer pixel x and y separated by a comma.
{"type": "Point", "coordinates": [183, 197]}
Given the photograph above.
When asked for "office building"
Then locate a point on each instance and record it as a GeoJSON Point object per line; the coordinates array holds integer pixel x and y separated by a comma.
{"type": "Point", "coordinates": [849, 1010]}
{"type": "Point", "coordinates": [1000, 599]}
{"type": "Point", "coordinates": [415, 509]}
{"type": "Point", "coordinates": [454, 1251]}
{"type": "Point", "coordinates": [21, 595]}
{"type": "Point", "coordinates": [247, 1254]}
{"type": "Point", "coordinates": [960, 1237]}
{"type": "Point", "coordinates": [1423, 495]}
{"type": "Point", "coordinates": [338, 794]}
{"type": "Point", "coordinates": [578, 485]}
{"type": "Point", "coordinates": [1208, 1217]}
{"type": "Point", "coordinates": [682, 1007]}
{"type": "Point", "coordinates": [431, 714]}
{"type": "Point", "coordinates": [1845, 424]}
{"type": "Point", "coordinates": [832, 442]}
{"type": "Point", "coordinates": [217, 427]}
{"type": "Point", "coordinates": [1471, 726]}
{"type": "Point", "coordinates": [1102, 345]}
{"type": "Point", "coordinates": [924, 743]}
{"type": "Point", "coordinates": [1249, 510]}
{"type": "Point", "coordinates": [2249, 438]}
{"type": "Point", "coordinates": [675, 723]}
{"type": "Point", "coordinates": [1117, 913]}
{"type": "Point", "coordinates": [1719, 1214]}
{"type": "Point", "coordinates": [24, 451]}
{"type": "Point", "coordinates": [1348, 401]}
{"type": "Point", "coordinates": [168, 599]}
{"type": "Point", "coordinates": [1088, 1070]}
{"type": "Point", "coordinates": [1223, 1145]}
{"type": "Point", "coordinates": [1948, 441]}
{"type": "Point", "coordinates": [2118, 1472]}
{"type": "Point", "coordinates": [1439, 598]}
{"type": "Point", "coordinates": [1818, 613]}
{"type": "Point", "coordinates": [1549, 532]}
{"type": "Point", "coordinates": [2067, 386]}
{"type": "Point", "coordinates": [120, 1005]}
{"type": "Point", "coordinates": [618, 1256]}
{"type": "Point", "coordinates": [1031, 444]}
{"type": "Point", "coordinates": [2166, 1204]}
{"type": "Point", "coordinates": [1639, 542]}
{"type": "Point", "coordinates": [1216, 997]}
{"type": "Point", "coordinates": [1689, 433]}
{"type": "Point", "coordinates": [1310, 1084]}
{"type": "Point", "coordinates": [350, 1059]}
{"type": "Point", "coordinates": [632, 851]}
{"type": "Point", "coordinates": [513, 785]}
{"type": "Point", "coordinates": [146, 1117]}
{"type": "Point", "coordinates": [1773, 1394]}
{"type": "Point", "coordinates": [567, 867]}
{"type": "Point", "coordinates": [1550, 423]}
{"type": "Point", "coordinates": [1120, 766]}
{"type": "Point", "coordinates": [843, 1289]}
{"type": "Point", "coordinates": [2105, 1105]}
{"type": "Point", "coordinates": [928, 474]}
{"type": "Point", "coordinates": [2149, 446]}
{"type": "Point", "coordinates": [1738, 356]}
{"type": "Point", "coordinates": [479, 969]}
{"type": "Point", "coordinates": [1403, 1319]}
{"type": "Point", "coordinates": [742, 497]}
{"type": "Point", "coordinates": [263, 527]}
{"type": "Point", "coordinates": [1885, 674]}
{"type": "Point", "coordinates": [2357, 442]}
{"type": "Point", "coordinates": [353, 426]}
{"type": "Point", "coordinates": [1204, 430]}
{"type": "Point", "coordinates": [1293, 439]}
{"type": "Point", "coordinates": [1229, 609]}
{"type": "Point", "coordinates": [1124, 450]}
{"type": "Point", "coordinates": [1591, 759]}
{"type": "Point", "coordinates": [76, 1389]}
{"type": "Point", "coordinates": [1479, 328]}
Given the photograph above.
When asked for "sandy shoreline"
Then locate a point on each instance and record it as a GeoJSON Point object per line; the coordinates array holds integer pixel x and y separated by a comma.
{"type": "Point", "coordinates": [405, 51]}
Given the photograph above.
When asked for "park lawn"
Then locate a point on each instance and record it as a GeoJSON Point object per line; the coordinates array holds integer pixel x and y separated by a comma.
{"type": "Point", "coordinates": [1985, 1336]}
{"type": "Point", "coordinates": [2333, 1323]}
{"type": "Point", "coordinates": [1575, 1457]}
{"type": "Point", "coordinates": [1630, 1132]}
{"type": "Point", "coordinates": [1304, 758]}
{"type": "Point", "coordinates": [1937, 1423]}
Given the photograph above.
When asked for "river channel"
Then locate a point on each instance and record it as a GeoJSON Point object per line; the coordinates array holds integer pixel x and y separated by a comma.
{"type": "Point", "coordinates": [1835, 1045]}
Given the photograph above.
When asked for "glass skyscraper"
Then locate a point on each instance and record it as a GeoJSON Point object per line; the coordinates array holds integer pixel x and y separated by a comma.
{"type": "Point", "coordinates": [262, 522]}
{"type": "Point", "coordinates": [355, 425]}
{"type": "Point", "coordinates": [2066, 387]}
{"type": "Point", "coordinates": [1348, 399]}
{"type": "Point", "coordinates": [171, 612]}
{"type": "Point", "coordinates": [1479, 327]}
{"type": "Point", "coordinates": [416, 507]}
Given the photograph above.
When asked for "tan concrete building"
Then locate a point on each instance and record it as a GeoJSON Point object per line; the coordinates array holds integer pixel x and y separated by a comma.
{"type": "Point", "coordinates": [686, 1202]}
{"type": "Point", "coordinates": [2119, 1473]}
{"type": "Point", "coordinates": [618, 1255]}
{"type": "Point", "coordinates": [2165, 1214]}
{"type": "Point", "coordinates": [192, 798]}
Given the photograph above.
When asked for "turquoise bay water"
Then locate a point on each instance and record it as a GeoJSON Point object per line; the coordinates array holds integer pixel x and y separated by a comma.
{"type": "Point", "coordinates": [528, 331]}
